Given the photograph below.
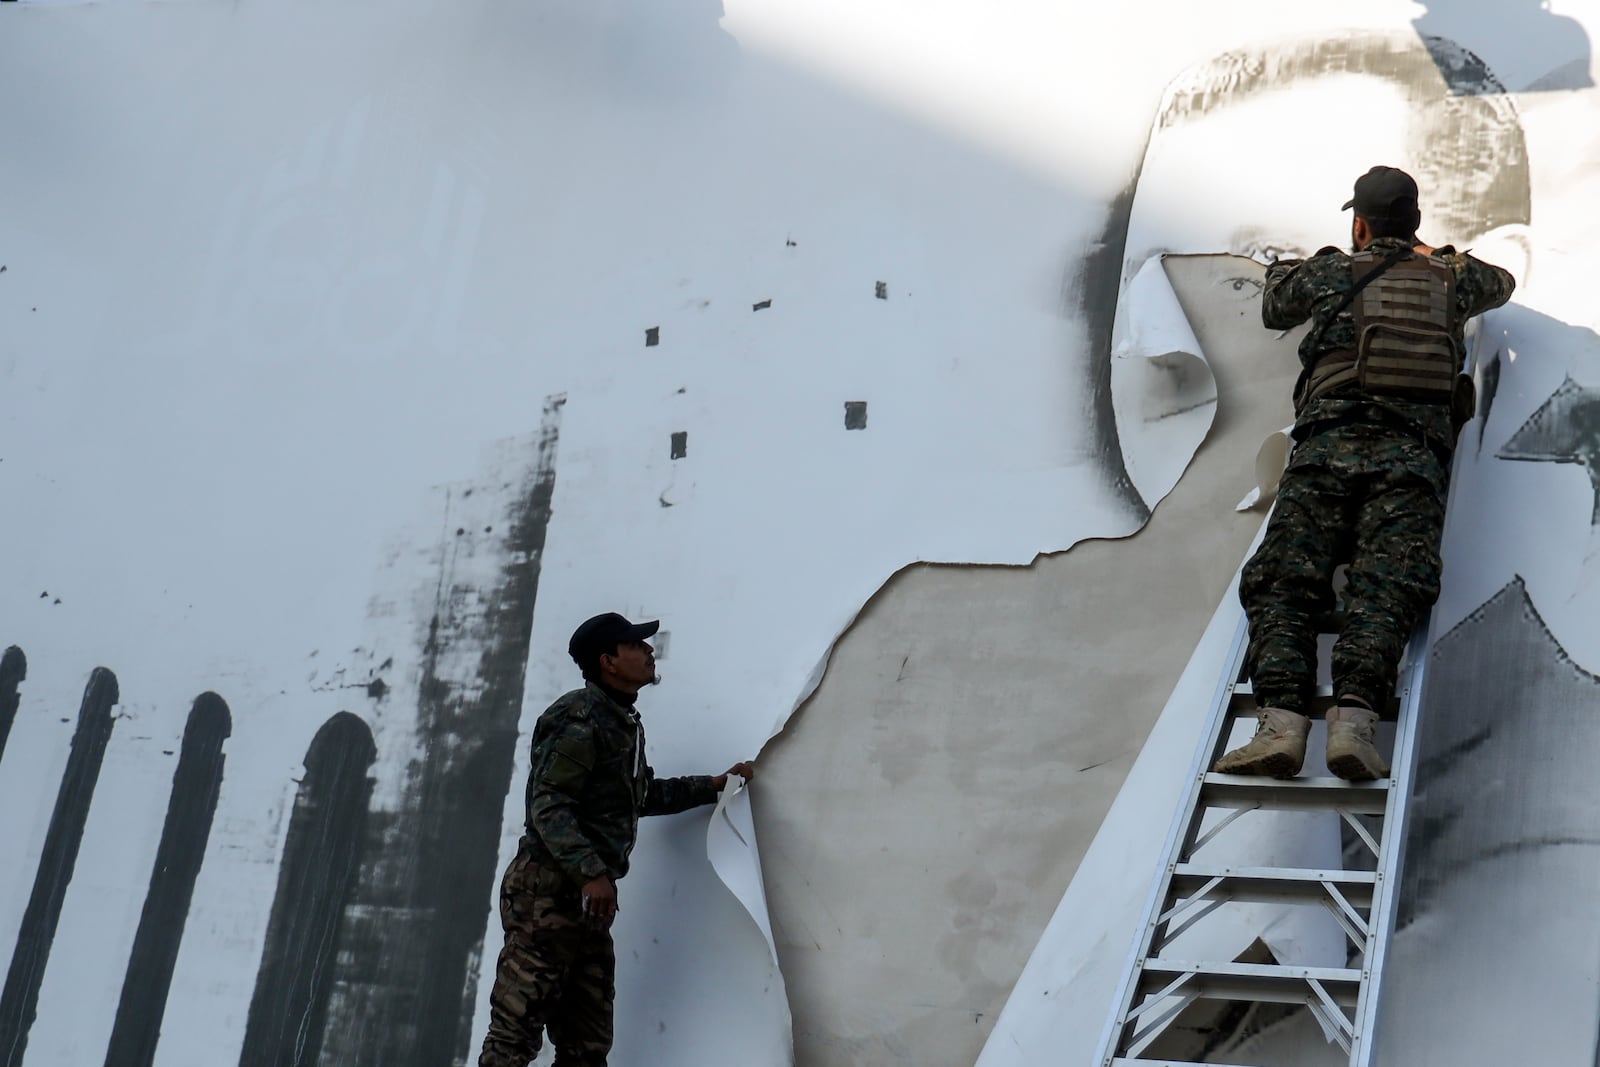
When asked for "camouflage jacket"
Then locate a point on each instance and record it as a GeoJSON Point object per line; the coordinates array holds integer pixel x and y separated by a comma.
{"type": "Point", "coordinates": [1301, 289]}
{"type": "Point", "coordinates": [590, 783]}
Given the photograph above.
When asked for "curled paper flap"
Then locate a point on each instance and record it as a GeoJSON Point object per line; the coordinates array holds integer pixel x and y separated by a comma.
{"type": "Point", "coordinates": [1163, 391]}
{"type": "Point", "coordinates": [1271, 458]}
{"type": "Point", "coordinates": [731, 846]}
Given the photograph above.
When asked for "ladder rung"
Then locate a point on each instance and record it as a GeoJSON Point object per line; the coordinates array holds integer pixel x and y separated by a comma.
{"type": "Point", "coordinates": [1293, 885]}
{"type": "Point", "coordinates": [1252, 981]}
{"type": "Point", "coordinates": [1294, 794]}
{"type": "Point", "coordinates": [1163, 979]}
{"type": "Point", "coordinates": [1123, 1061]}
{"type": "Point", "coordinates": [1242, 704]}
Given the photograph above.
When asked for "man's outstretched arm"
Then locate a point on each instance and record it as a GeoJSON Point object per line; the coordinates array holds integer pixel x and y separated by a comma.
{"type": "Point", "coordinates": [1483, 286]}
{"type": "Point", "coordinates": [667, 796]}
{"type": "Point", "coordinates": [1290, 291]}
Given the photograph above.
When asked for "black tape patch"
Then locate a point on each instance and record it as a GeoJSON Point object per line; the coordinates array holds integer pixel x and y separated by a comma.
{"type": "Point", "coordinates": [855, 414]}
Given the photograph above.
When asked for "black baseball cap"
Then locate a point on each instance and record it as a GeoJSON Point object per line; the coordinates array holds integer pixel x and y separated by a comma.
{"type": "Point", "coordinates": [604, 633]}
{"type": "Point", "coordinates": [1384, 193]}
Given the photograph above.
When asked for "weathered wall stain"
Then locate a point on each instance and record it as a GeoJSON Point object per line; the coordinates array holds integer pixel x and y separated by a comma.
{"type": "Point", "coordinates": [321, 855]}
{"type": "Point", "coordinates": [409, 952]}
{"type": "Point", "coordinates": [196, 786]}
{"type": "Point", "coordinates": [20, 1000]}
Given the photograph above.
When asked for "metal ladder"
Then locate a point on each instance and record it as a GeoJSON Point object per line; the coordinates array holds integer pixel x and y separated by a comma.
{"type": "Point", "coordinates": [1156, 988]}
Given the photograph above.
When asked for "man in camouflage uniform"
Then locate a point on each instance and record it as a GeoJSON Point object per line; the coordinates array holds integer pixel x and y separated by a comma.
{"type": "Point", "coordinates": [588, 786]}
{"type": "Point", "coordinates": [1377, 408]}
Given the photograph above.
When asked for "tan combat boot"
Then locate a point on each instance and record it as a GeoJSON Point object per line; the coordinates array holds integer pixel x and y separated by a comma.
{"type": "Point", "coordinates": [1351, 754]}
{"type": "Point", "coordinates": [1276, 751]}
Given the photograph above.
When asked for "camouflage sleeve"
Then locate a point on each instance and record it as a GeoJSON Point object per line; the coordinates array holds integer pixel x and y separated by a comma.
{"type": "Point", "coordinates": [1286, 299]}
{"type": "Point", "coordinates": [668, 796]}
{"type": "Point", "coordinates": [562, 761]}
{"type": "Point", "coordinates": [1481, 286]}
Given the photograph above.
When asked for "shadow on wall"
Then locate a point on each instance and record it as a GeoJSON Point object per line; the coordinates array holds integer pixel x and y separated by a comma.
{"type": "Point", "coordinates": [1531, 47]}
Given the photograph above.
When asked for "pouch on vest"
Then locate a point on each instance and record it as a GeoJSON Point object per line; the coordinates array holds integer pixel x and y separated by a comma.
{"type": "Point", "coordinates": [1404, 343]}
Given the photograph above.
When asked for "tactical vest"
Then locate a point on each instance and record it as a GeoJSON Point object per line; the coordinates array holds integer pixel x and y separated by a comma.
{"type": "Point", "coordinates": [1404, 344]}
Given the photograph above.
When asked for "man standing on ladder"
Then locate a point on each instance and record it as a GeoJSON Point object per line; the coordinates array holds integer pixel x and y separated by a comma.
{"type": "Point", "coordinates": [1377, 408]}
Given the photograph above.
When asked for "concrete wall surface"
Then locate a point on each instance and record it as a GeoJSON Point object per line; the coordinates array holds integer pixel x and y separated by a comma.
{"type": "Point", "coordinates": [902, 358]}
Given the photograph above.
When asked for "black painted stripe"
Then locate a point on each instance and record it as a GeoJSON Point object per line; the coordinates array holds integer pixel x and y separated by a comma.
{"type": "Point", "coordinates": [19, 1002]}
{"type": "Point", "coordinates": [13, 669]}
{"type": "Point", "coordinates": [320, 858]}
{"type": "Point", "coordinates": [409, 955]}
{"type": "Point", "coordinates": [196, 785]}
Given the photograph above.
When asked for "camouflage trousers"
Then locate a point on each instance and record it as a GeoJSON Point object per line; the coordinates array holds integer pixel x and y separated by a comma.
{"type": "Point", "coordinates": [1366, 496]}
{"type": "Point", "coordinates": [554, 973]}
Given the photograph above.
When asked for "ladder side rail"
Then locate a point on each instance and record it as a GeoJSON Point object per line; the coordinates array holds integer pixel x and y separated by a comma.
{"type": "Point", "coordinates": [1404, 768]}
{"type": "Point", "coordinates": [1225, 714]}
{"type": "Point", "coordinates": [1392, 857]}
{"type": "Point", "coordinates": [1177, 833]}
